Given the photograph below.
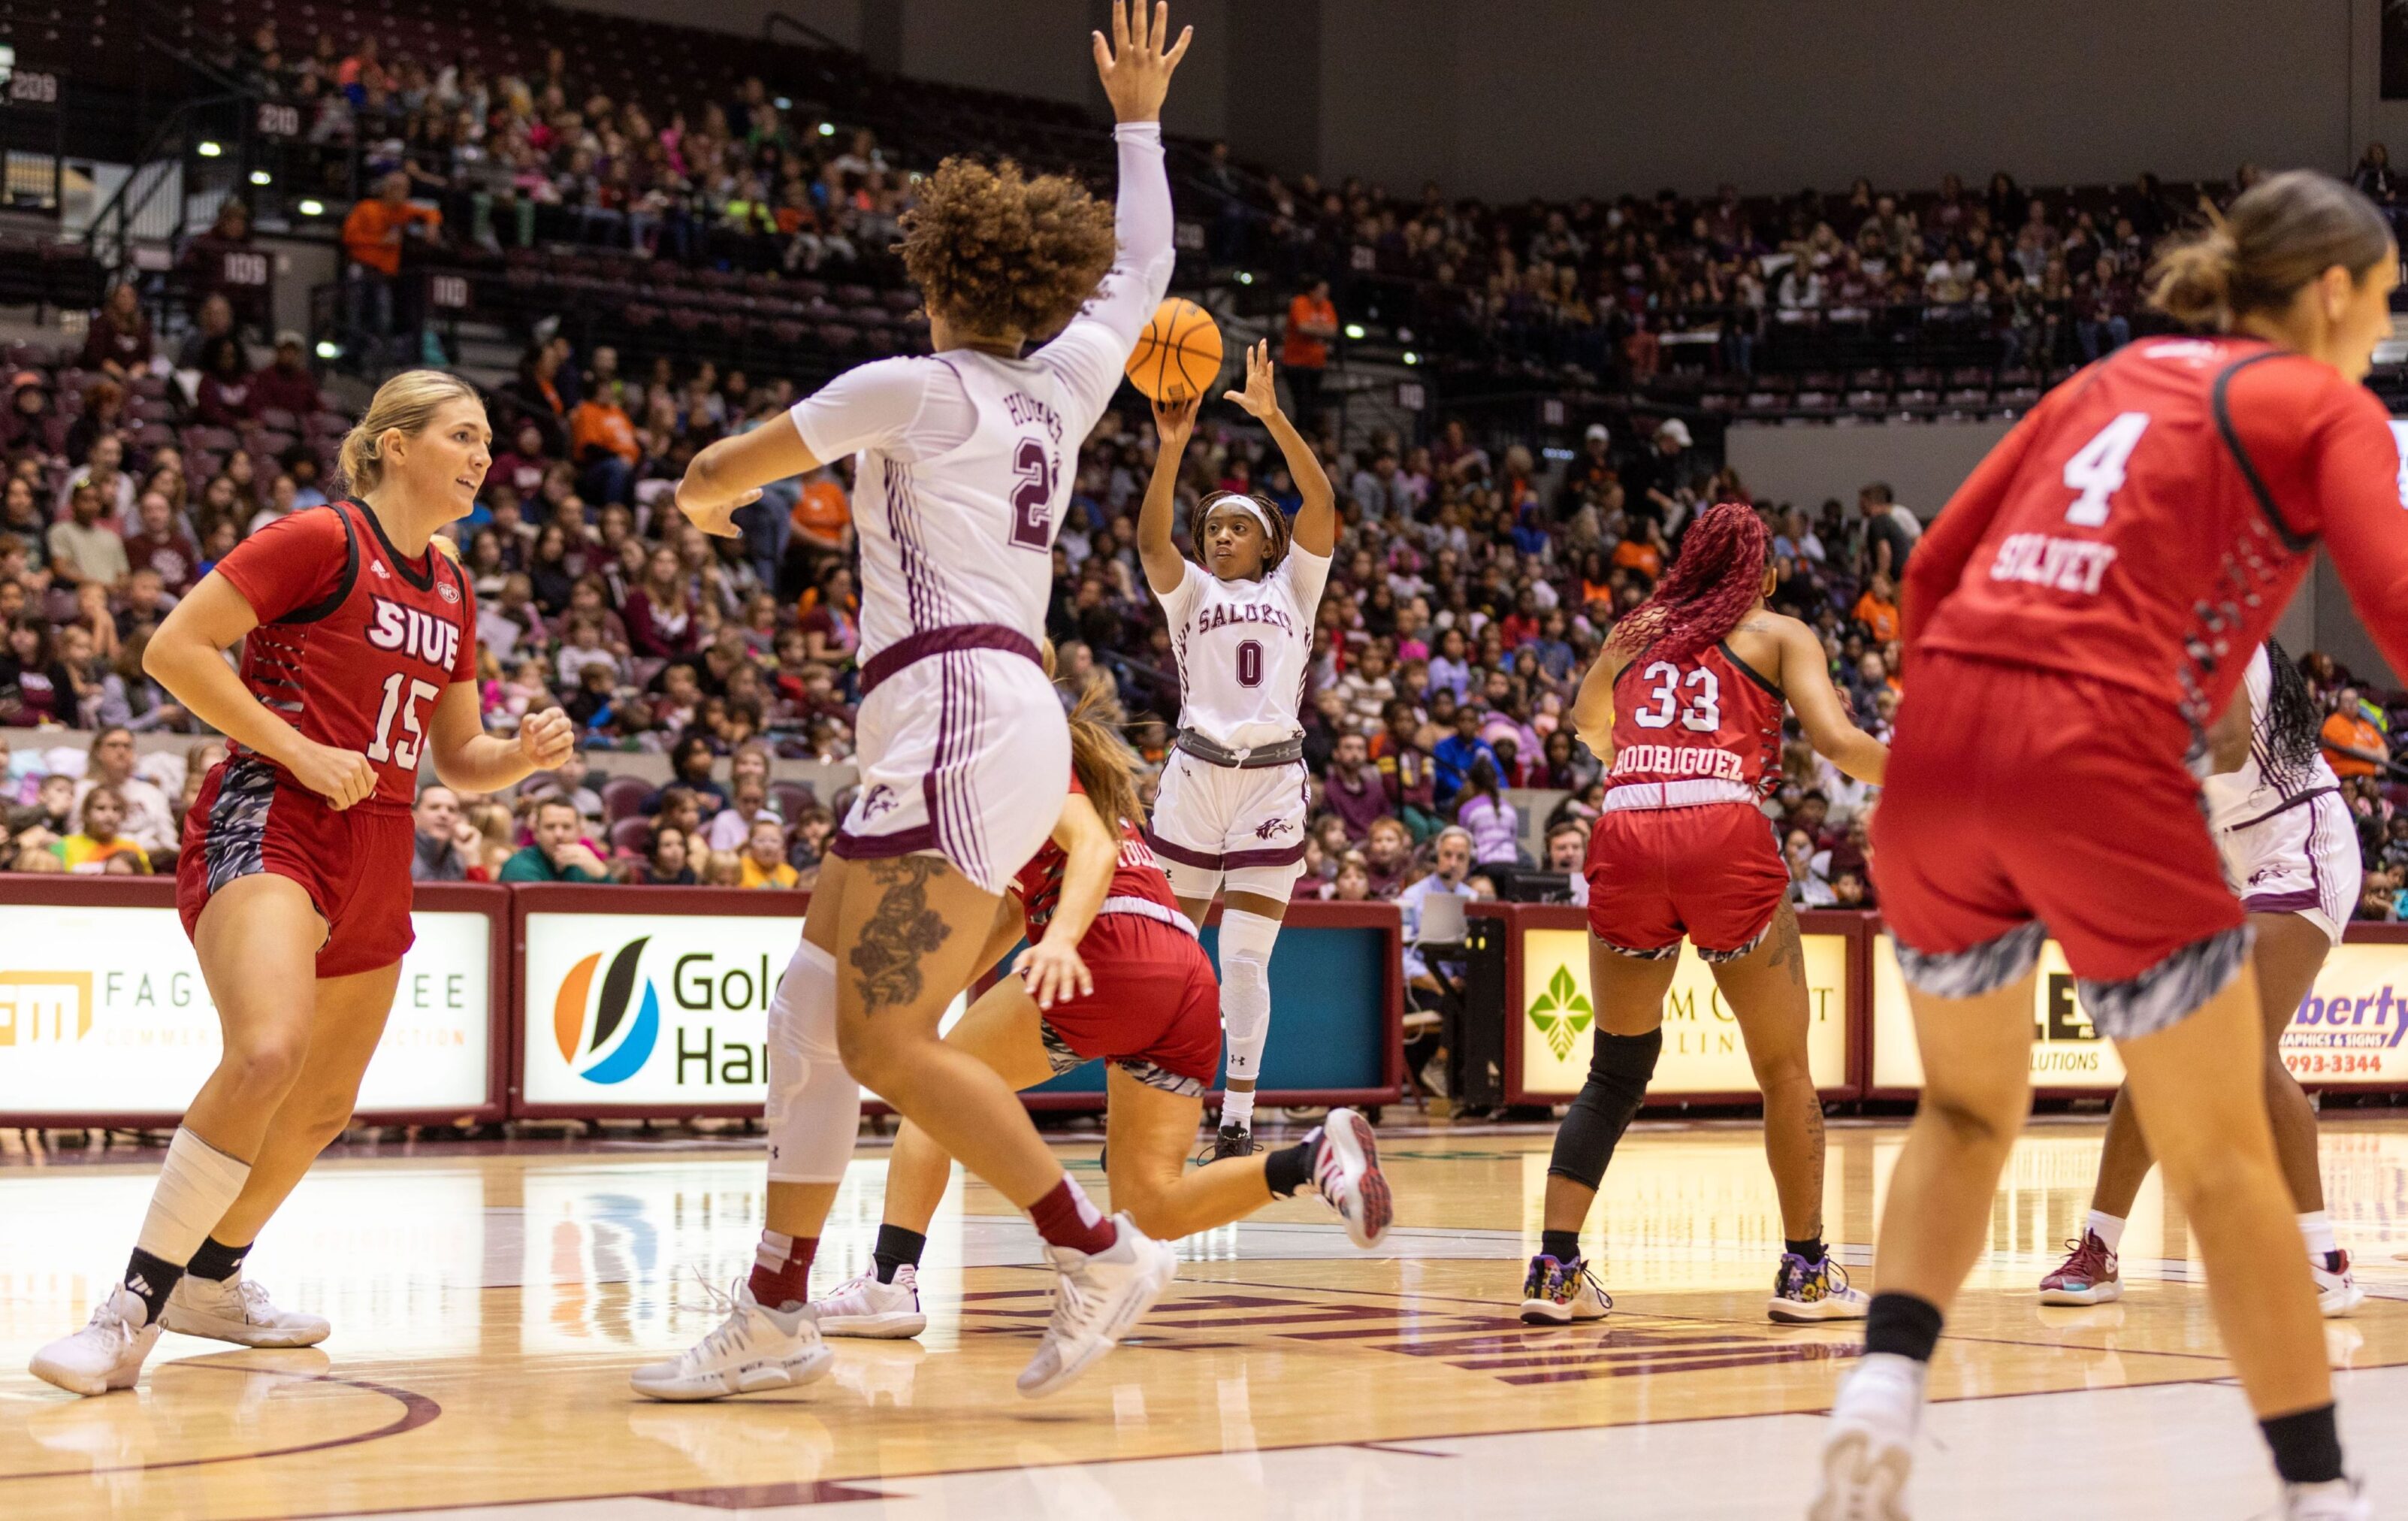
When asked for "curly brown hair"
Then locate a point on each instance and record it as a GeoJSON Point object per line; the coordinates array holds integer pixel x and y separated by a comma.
{"type": "Point", "coordinates": [995, 251]}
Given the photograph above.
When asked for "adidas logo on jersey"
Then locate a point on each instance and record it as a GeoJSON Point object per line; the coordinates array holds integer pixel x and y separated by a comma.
{"type": "Point", "coordinates": [378, 565]}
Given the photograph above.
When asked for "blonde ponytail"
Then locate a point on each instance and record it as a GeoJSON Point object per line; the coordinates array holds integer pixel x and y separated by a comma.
{"type": "Point", "coordinates": [405, 404]}
{"type": "Point", "coordinates": [2280, 235]}
{"type": "Point", "coordinates": [2192, 282]}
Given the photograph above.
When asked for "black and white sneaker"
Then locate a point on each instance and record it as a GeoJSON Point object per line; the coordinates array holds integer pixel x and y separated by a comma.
{"type": "Point", "coordinates": [1230, 1141]}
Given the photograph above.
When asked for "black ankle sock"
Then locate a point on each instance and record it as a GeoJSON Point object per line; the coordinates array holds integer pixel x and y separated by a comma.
{"type": "Point", "coordinates": [217, 1261]}
{"type": "Point", "coordinates": [1562, 1245]}
{"type": "Point", "coordinates": [896, 1248]}
{"type": "Point", "coordinates": [1902, 1324]}
{"type": "Point", "coordinates": [1290, 1168]}
{"type": "Point", "coordinates": [2307, 1445]}
{"type": "Point", "coordinates": [153, 1279]}
{"type": "Point", "coordinates": [1810, 1248]}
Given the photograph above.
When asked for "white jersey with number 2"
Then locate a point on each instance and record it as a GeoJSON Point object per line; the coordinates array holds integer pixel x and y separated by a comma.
{"type": "Point", "coordinates": [1244, 649]}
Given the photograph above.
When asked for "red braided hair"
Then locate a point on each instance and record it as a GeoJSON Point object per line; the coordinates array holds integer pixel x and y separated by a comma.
{"type": "Point", "coordinates": [1710, 587]}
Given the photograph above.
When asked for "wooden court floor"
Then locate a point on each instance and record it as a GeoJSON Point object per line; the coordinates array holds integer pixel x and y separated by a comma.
{"type": "Point", "coordinates": [487, 1308]}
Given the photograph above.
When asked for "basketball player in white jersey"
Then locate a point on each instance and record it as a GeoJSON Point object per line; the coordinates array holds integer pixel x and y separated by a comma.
{"type": "Point", "coordinates": [2290, 849]}
{"type": "Point", "coordinates": [1230, 816]}
{"type": "Point", "coordinates": [963, 462]}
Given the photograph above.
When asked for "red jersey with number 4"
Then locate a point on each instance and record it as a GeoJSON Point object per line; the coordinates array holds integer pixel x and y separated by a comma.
{"type": "Point", "coordinates": [355, 642]}
{"type": "Point", "coordinates": [1709, 717]}
{"type": "Point", "coordinates": [2150, 519]}
{"type": "Point", "coordinates": [1137, 874]}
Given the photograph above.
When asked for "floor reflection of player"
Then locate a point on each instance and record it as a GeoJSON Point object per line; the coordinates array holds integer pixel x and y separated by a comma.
{"type": "Point", "coordinates": [359, 653]}
{"type": "Point", "coordinates": [2082, 609]}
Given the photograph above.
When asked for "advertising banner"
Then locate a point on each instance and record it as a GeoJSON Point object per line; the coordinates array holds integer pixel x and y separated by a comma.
{"type": "Point", "coordinates": [1703, 1052]}
{"type": "Point", "coordinates": [103, 1012]}
{"type": "Point", "coordinates": [2068, 1053]}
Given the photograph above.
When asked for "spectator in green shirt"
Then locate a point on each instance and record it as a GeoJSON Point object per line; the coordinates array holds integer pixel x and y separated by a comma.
{"type": "Point", "coordinates": [557, 855]}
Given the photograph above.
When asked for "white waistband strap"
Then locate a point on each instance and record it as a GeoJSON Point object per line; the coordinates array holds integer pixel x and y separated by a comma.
{"type": "Point", "coordinates": [1694, 793]}
{"type": "Point", "coordinates": [1146, 908]}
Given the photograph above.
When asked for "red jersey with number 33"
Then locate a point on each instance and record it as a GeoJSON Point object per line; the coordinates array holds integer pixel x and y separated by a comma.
{"type": "Point", "coordinates": [2147, 523]}
{"type": "Point", "coordinates": [355, 642]}
{"type": "Point", "coordinates": [1135, 874]}
{"type": "Point", "coordinates": [1709, 717]}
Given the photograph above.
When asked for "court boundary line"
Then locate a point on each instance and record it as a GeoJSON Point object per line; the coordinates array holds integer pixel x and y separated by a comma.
{"type": "Point", "coordinates": [417, 1409]}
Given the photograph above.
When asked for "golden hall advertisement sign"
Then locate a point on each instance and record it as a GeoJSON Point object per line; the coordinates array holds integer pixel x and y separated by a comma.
{"type": "Point", "coordinates": [2347, 1032]}
{"type": "Point", "coordinates": [1703, 1051]}
{"type": "Point", "coordinates": [103, 1012]}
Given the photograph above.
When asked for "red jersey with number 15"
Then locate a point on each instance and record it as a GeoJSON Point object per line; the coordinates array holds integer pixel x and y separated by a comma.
{"type": "Point", "coordinates": [1135, 875]}
{"type": "Point", "coordinates": [2149, 519]}
{"type": "Point", "coordinates": [355, 642]}
{"type": "Point", "coordinates": [1709, 717]}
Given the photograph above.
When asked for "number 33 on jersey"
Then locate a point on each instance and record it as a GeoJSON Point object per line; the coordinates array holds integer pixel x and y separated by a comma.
{"type": "Point", "coordinates": [356, 641]}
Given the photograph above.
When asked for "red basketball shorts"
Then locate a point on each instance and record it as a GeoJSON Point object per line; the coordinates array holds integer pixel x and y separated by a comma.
{"type": "Point", "coordinates": [1155, 1011]}
{"type": "Point", "coordinates": [2022, 803]}
{"type": "Point", "coordinates": [354, 865]}
{"type": "Point", "coordinates": [1712, 873]}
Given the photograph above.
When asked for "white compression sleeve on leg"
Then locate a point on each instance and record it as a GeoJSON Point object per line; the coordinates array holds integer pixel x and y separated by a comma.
{"type": "Point", "coordinates": [1246, 941]}
{"type": "Point", "coordinates": [196, 1187]}
{"type": "Point", "coordinates": [814, 1114]}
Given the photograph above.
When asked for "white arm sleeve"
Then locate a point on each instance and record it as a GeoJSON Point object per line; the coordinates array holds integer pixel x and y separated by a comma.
{"type": "Point", "coordinates": [872, 406]}
{"type": "Point", "coordinates": [1091, 352]}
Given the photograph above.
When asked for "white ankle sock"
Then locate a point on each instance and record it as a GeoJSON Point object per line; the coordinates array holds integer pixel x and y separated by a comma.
{"type": "Point", "coordinates": [2315, 1227]}
{"type": "Point", "coordinates": [1886, 1392]}
{"type": "Point", "coordinates": [2108, 1228]}
{"type": "Point", "coordinates": [1238, 1109]}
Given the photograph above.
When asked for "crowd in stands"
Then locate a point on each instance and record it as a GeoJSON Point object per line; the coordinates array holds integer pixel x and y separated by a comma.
{"type": "Point", "coordinates": [1468, 592]}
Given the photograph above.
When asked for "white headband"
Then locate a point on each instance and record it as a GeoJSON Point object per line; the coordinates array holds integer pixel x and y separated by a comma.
{"type": "Point", "coordinates": [1231, 499]}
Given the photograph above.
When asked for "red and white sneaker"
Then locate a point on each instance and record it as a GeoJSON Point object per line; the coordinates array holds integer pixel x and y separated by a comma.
{"type": "Point", "coordinates": [2337, 1290]}
{"type": "Point", "coordinates": [1346, 1173]}
{"type": "Point", "coordinates": [2085, 1277]}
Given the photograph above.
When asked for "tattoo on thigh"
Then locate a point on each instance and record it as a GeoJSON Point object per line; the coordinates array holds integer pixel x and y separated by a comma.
{"type": "Point", "coordinates": [902, 931]}
{"type": "Point", "coordinates": [1788, 951]}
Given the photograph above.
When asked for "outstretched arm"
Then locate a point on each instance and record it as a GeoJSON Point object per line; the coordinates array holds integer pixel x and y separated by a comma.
{"type": "Point", "coordinates": [1806, 677]}
{"type": "Point", "coordinates": [1173, 421]}
{"type": "Point", "coordinates": [1593, 708]}
{"type": "Point", "coordinates": [1316, 521]}
{"type": "Point", "coordinates": [729, 474]}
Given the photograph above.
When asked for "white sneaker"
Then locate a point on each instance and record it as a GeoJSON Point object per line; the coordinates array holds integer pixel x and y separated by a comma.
{"type": "Point", "coordinates": [865, 1307]}
{"type": "Point", "coordinates": [754, 1348]}
{"type": "Point", "coordinates": [1097, 1299]}
{"type": "Point", "coordinates": [2337, 1290]}
{"type": "Point", "coordinates": [1347, 1175]}
{"type": "Point", "coordinates": [2342, 1500]}
{"type": "Point", "coordinates": [107, 1354]}
{"type": "Point", "coordinates": [237, 1309]}
{"type": "Point", "coordinates": [1869, 1454]}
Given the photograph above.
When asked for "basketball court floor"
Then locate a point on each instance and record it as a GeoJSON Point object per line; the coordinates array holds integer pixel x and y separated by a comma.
{"type": "Point", "coordinates": [488, 1304]}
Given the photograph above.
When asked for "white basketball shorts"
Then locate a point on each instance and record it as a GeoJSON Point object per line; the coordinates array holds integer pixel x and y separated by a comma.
{"type": "Point", "coordinates": [2300, 859]}
{"type": "Point", "coordinates": [966, 754]}
{"type": "Point", "coordinates": [1218, 826]}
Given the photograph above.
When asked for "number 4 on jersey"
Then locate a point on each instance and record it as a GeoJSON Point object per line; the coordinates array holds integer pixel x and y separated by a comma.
{"type": "Point", "coordinates": [2097, 469]}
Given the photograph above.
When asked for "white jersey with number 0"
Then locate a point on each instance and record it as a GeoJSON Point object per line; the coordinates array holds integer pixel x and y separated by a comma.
{"type": "Point", "coordinates": [1243, 648]}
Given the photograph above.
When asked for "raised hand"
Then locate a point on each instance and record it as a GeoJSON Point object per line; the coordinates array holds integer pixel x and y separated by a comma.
{"type": "Point", "coordinates": [1135, 65]}
{"type": "Point", "coordinates": [1260, 396]}
{"type": "Point", "coordinates": [1174, 420]}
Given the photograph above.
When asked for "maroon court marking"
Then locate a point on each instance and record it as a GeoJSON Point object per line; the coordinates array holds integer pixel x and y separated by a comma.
{"type": "Point", "coordinates": [417, 1409]}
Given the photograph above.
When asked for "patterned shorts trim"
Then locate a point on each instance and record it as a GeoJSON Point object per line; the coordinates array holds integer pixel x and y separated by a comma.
{"type": "Point", "coordinates": [1661, 953]}
{"type": "Point", "coordinates": [1666, 953]}
{"type": "Point", "coordinates": [1718, 959]}
{"type": "Point", "coordinates": [1059, 1055]}
{"type": "Point", "coordinates": [2169, 991]}
{"type": "Point", "coordinates": [1976, 969]}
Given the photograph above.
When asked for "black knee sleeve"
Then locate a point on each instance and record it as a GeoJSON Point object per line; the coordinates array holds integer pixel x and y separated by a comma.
{"type": "Point", "coordinates": [1619, 1070]}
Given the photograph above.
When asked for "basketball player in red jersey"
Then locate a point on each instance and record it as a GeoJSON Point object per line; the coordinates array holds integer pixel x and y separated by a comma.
{"type": "Point", "coordinates": [2082, 610]}
{"type": "Point", "coordinates": [1112, 972]}
{"type": "Point", "coordinates": [359, 655]}
{"type": "Point", "coordinates": [1686, 703]}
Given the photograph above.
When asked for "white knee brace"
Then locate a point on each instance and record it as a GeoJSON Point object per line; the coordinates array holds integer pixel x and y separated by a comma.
{"type": "Point", "coordinates": [814, 1113]}
{"type": "Point", "coordinates": [1246, 941]}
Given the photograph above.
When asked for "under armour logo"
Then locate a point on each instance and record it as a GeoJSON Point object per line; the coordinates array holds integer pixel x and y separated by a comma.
{"type": "Point", "coordinates": [880, 800]}
{"type": "Point", "coordinates": [1270, 828]}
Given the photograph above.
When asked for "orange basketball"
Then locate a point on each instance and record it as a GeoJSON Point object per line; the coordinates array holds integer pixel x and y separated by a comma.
{"type": "Point", "coordinates": [1179, 353]}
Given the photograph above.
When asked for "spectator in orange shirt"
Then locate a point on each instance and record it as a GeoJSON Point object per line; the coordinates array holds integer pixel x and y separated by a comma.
{"type": "Point", "coordinates": [1877, 609]}
{"type": "Point", "coordinates": [822, 518]}
{"type": "Point", "coordinates": [2354, 745]}
{"type": "Point", "coordinates": [1643, 554]}
{"type": "Point", "coordinates": [372, 235]}
{"type": "Point", "coordinates": [602, 441]}
{"type": "Point", "coordinates": [1304, 351]}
